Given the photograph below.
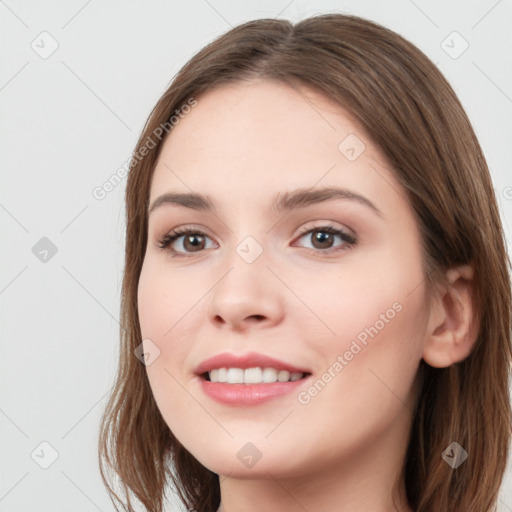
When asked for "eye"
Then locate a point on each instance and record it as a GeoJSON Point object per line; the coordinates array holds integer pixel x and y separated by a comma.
{"type": "Point", "coordinates": [189, 240]}
{"type": "Point", "coordinates": [323, 237]}
{"type": "Point", "coordinates": [192, 241]}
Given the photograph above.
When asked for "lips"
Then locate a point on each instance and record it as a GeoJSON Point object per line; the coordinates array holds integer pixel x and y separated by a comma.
{"type": "Point", "coordinates": [248, 394]}
{"type": "Point", "coordinates": [249, 360]}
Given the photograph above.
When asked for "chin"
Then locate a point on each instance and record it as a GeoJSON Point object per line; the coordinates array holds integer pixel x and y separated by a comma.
{"type": "Point", "coordinates": [244, 460]}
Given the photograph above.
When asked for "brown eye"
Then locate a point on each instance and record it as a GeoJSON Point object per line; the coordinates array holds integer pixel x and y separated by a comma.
{"type": "Point", "coordinates": [184, 242]}
{"type": "Point", "coordinates": [323, 238]}
{"type": "Point", "coordinates": [193, 242]}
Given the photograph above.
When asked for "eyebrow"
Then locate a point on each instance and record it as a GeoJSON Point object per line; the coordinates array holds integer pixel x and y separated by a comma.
{"type": "Point", "coordinates": [286, 201]}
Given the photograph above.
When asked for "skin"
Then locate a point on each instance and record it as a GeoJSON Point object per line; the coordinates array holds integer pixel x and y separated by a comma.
{"type": "Point", "coordinates": [342, 450]}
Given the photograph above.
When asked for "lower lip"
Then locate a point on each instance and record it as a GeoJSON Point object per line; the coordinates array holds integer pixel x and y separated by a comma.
{"type": "Point", "coordinates": [248, 394]}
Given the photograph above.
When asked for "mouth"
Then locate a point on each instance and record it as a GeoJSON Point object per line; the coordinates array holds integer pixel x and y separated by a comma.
{"type": "Point", "coordinates": [238, 387]}
{"type": "Point", "coordinates": [249, 379]}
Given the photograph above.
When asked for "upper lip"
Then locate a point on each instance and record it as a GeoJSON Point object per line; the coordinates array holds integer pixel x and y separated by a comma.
{"type": "Point", "coordinates": [249, 360]}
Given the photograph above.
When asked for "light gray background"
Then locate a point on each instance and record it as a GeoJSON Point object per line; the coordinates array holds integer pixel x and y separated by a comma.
{"type": "Point", "coordinates": [68, 122]}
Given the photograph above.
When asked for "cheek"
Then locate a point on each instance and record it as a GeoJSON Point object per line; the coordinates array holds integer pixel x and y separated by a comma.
{"type": "Point", "coordinates": [383, 293]}
{"type": "Point", "coordinates": [162, 308]}
{"type": "Point", "coordinates": [371, 362]}
{"type": "Point", "coordinates": [372, 330]}
{"type": "Point", "coordinates": [164, 299]}
{"type": "Point", "coordinates": [366, 385]}
{"type": "Point", "coordinates": [165, 307]}
{"type": "Point", "coordinates": [170, 308]}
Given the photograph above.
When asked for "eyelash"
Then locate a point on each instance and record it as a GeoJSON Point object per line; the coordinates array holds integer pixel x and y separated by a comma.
{"type": "Point", "coordinates": [172, 236]}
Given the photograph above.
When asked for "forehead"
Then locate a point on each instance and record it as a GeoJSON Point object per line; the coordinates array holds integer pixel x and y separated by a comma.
{"type": "Point", "coordinates": [243, 139]}
{"type": "Point", "coordinates": [248, 117]}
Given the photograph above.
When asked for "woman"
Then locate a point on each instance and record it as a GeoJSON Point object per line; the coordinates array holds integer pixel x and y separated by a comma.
{"type": "Point", "coordinates": [316, 298]}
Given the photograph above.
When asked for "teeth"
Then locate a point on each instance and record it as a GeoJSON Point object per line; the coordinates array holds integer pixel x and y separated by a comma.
{"type": "Point", "coordinates": [252, 375]}
{"type": "Point", "coordinates": [269, 375]}
{"type": "Point", "coordinates": [235, 376]}
{"type": "Point", "coordinates": [283, 376]}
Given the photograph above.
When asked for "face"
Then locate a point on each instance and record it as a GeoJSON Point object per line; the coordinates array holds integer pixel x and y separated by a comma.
{"type": "Point", "coordinates": [332, 288]}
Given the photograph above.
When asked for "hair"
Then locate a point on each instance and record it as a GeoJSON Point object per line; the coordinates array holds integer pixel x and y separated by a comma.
{"type": "Point", "coordinates": [412, 114]}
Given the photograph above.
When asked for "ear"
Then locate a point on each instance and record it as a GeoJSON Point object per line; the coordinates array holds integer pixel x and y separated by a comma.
{"type": "Point", "coordinates": [452, 327]}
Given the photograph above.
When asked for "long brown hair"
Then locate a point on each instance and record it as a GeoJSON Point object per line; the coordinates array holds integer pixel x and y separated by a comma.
{"type": "Point", "coordinates": [410, 111]}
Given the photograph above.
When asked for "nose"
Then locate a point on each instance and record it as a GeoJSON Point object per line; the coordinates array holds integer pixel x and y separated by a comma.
{"type": "Point", "coordinates": [248, 296]}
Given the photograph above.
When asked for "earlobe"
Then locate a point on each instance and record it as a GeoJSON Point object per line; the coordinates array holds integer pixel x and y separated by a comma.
{"type": "Point", "coordinates": [452, 328]}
